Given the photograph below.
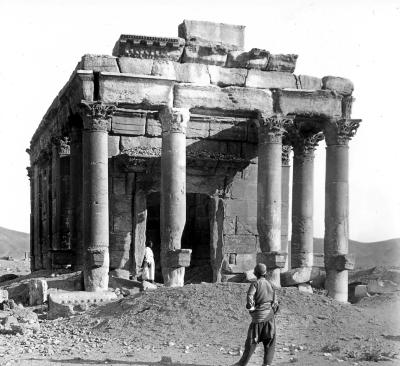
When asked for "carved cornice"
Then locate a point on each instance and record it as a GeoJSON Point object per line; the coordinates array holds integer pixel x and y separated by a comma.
{"type": "Point", "coordinates": [286, 150]}
{"type": "Point", "coordinates": [272, 128]}
{"type": "Point", "coordinates": [174, 120]}
{"type": "Point", "coordinates": [340, 132]}
{"type": "Point", "coordinates": [96, 115]}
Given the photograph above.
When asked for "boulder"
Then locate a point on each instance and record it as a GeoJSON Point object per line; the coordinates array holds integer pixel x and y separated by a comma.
{"type": "Point", "coordinates": [339, 85]}
{"type": "Point", "coordinates": [254, 59]}
{"type": "Point", "coordinates": [216, 32]}
{"type": "Point", "coordinates": [300, 275]}
{"type": "Point", "coordinates": [99, 63]}
{"type": "Point", "coordinates": [285, 63]}
{"type": "Point", "coordinates": [270, 80]}
{"type": "Point", "coordinates": [305, 287]}
{"type": "Point", "coordinates": [37, 292]}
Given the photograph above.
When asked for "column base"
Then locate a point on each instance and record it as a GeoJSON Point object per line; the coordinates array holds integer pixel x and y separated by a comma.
{"type": "Point", "coordinates": [174, 277]}
{"type": "Point", "coordinates": [336, 284]}
{"type": "Point", "coordinates": [96, 268]}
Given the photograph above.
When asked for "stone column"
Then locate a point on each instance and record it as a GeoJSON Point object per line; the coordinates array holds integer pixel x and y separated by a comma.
{"type": "Point", "coordinates": [95, 195]}
{"type": "Point", "coordinates": [76, 183]}
{"type": "Point", "coordinates": [286, 149]}
{"type": "Point", "coordinates": [269, 193]}
{"type": "Point", "coordinates": [337, 260]}
{"type": "Point", "coordinates": [173, 194]}
{"type": "Point", "coordinates": [302, 242]}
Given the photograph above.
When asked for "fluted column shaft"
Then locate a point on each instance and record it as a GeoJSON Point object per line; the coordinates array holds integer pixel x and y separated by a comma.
{"type": "Point", "coordinates": [173, 190]}
{"type": "Point", "coordinates": [337, 263]}
{"type": "Point", "coordinates": [95, 196]}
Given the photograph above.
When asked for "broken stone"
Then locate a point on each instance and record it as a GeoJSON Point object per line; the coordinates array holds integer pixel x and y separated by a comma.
{"type": "Point", "coordinates": [361, 291]}
{"type": "Point", "coordinates": [382, 286]}
{"type": "Point", "coordinates": [300, 275]}
{"type": "Point", "coordinates": [205, 52]}
{"type": "Point", "coordinates": [133, 89]}
{"type": "Point", "coordinates": [305, 287]}
{"type": "Point", "coordinates": [250, 276]}
{"type": "Point", "coordinates": [318, 103]}
{"type": "Point", "coordinates": [99, 63]}
{"type": "Point", "coordinates": [19, 321]}
{"type": "Point", "coordinates": [254, 59]}
{"type": "Point", "coordinates": [136, 66]}
{"type": "Point", "coordinates": [223, 76]}
{"type": "Point", "coordinates": [148, 286]}
{"type": "Point", "coordinates": [309, 82]}
{"type": "Point", "coordinates": [284, 63]}
{"type": "Point", "coordinates": [64, 304]}
{"type": "Point", "coordinates": [37, 292]}
{"type": "Point", "coordinates": [229, 99]}
{"type": "Point", "coordinates": [270, 80]}
{"type": "Point", "coordinates": [216, 32]}
{"type": "Point", "coordinates": [3, 295]}
{"type": "Point", "coordinates": [145, 47]}
{"type": "Point", "coordinates": [339, 85]}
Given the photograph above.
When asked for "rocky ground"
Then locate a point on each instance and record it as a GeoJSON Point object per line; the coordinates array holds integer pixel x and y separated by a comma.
{"type": "Point", "coordinates": [206, 324]}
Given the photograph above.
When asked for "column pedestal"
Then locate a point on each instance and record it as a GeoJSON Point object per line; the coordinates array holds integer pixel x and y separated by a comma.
{"type": "Point", "coordinates": [173, 194]}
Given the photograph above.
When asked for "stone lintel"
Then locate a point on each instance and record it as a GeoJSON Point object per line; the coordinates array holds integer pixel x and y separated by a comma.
{"type": "Point", "coordinates": [341, 262]}
{"type": "Point", "coordinates": [272, 260]}
{"type": "Point", "coordinates": [178, 258]}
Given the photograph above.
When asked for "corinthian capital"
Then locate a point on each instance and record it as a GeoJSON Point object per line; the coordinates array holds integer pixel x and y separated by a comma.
{"type": "Point", "coordinates": [62, 145]}
{"type": "Point", "coordinates": [271, 128]}
{"type": "Point", "coordinates": [340, 132]}
{"type": "Point", "coordinates": [96, 115]}
{"type": "Point", "coordinates": [174, 120]}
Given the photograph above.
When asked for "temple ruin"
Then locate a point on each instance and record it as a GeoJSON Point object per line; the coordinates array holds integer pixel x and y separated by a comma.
{"type": "Point", "coordinates": [187, 141]}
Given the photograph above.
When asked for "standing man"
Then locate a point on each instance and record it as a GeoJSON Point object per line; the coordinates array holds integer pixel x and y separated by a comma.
{"type": "Point", "coordinates": [262, 305]}
{"type": "Point", "coordinates": [148, 263]}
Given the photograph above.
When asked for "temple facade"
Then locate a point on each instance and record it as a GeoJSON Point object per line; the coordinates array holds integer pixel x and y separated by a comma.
{"type": "Point", "coordinates": [187, 141]}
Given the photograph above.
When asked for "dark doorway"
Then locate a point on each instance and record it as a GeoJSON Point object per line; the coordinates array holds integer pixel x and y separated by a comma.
{"type": "Point", "coordinates": [196, 235]}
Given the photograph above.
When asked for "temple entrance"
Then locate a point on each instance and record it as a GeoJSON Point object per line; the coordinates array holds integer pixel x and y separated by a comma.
{"type": "Point", "coordinates": [196, 235]}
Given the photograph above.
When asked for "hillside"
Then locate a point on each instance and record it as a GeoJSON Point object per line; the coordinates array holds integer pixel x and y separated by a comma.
{"type": "Point", "coordinates": [382, 253]}
{"type": "Point", "coordinates": [13, 243]}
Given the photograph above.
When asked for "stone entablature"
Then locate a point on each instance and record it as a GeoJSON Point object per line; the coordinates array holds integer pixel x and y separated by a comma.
{"type": "Point", "coordinates": [240, 110]}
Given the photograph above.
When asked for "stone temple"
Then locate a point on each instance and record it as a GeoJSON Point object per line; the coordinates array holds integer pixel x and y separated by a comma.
{"type": "Point", "coordinates": [187, 141]}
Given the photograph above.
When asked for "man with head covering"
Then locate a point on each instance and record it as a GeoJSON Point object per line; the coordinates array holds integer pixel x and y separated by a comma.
{"type": "Point", "coordinates": [148, 263]}
{"type": "Point", "coordinates": [262, 305]}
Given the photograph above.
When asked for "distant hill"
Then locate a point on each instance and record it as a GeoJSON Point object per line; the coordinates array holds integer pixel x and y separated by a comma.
{"type": "Point", "coordinates": [381, 253]}
{"type": "Point", "coordinates": [13, 243]}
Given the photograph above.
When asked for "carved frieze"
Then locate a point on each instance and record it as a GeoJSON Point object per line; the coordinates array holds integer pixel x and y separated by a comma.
{"type": "Point", "coordinates": [340, 132]}
{"type": "Point", "coordinates": [174, 120]}
{"type": "Point", "coordinates": [272, 128]}
{"type": "Point", "coordinates": [96, 116]}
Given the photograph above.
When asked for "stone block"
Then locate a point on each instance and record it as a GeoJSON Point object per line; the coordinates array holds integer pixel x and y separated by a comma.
{"type": "Point", "coordinates": [339, 85]}
{"type": "Point", "coordinates": [242, 188]}
{"type": "Point", "coordinates": [247, 225]}
{"type": "Point", "coordinates": [148, 91]}
{"type": "Point", "coordinates": [38, 291]}
{"type": "Point", "coordinates": [340, 262]}
{"type": "Point", "coordinates": [318, 260]}
{"type": "Point", "coordinates": [272, 259]}
{"type": "Point", "coordinates": [361, 291]}
{"type": "Point", "coordinates": [223, 76]}
{"type": "Point", "coordinates": [129, 123]}
{"type": "Point", "coordinates": [145, 47]}
{"type": "Point", "coordinates": [121, 282]}
{"type": "Point", "coordinates": [205, 147]}
{"type": "Point", "coordinates": [217, 32]}
{"type": "Point", "coordinates": [309, 82]}
{"type": "Point", "coordinates": [153, 127]}
{"type": "Point", "coordinates": [205, 52]}
{"type": "Point", "coordinates": [86, 78]}
{"type": "Point", "coordinates": [164, 69]}
{"type": "Point", "coordinates": [254, 59]}
{"type": "Point", "coordinates": [3, 295]}
{"type": "Point", "coordinates": [135, 66]}
{"type": "Point", "coordinates": [250, 276]}
{"type": "Point", "coordinates": [382, 286]}
{"type": "Point", "coordinates": [317, 103]}
{"type": "Point", "coordinates": [119, 259]}
{"type": "Point", "coordinates": [301, 275]}
{"type": "Point", "coordinates": [241, 264]}
{"type": "Point", "coordinates": [62, 257]}
{"type": "Point", "coordinates": [128, 143]}
{"type": "Point", "coordinates": [118, 185]}
{"type": "Point", "coordinates": [64, 304]}
{"type": "Point", "coordinates": [198, 129]}
{"type": "Point", "coordinates": [99, 63]}
{"type": "Point", "coordinates": [236, 277]}
{"type": "Point", "coordinates": [118, 273]}
{"type": "Point", "coordinates": [305, 287]}
{"type": "Point", "coordinates": [122, 222]}
{"type": "Point", "coordinates": [223, 99]}
{"type": "Point", "coordinates": [67, 282]}
{"type": "Point", "coordinates": [270, 80]}
{"type": "Point", "coordinates": [178, 258]}
{"type": "Point", "coordinates": [241, 208]}
{"type": "Point", "coordinates": [121, 205]}
{"type": "Point", "coordinates": [228, 131]}
{"type": "Point", "coordinates": [239, 244]}
{"type": "Point", "coordinates": [229, 226]}
{"type": "Point", "coordinates": [192, 73]}
{"type": "Point", "coordinates": [285, 63]}
{"type": "Point", "coordinates": [113, 145]}
{"type": "Point", "coordinates": [120, 241]}
{"type": "Point", "coordinates": [148, 286]}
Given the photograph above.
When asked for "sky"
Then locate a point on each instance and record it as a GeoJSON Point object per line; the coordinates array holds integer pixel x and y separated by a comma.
{"type": "Point", "coordinates": [42, 41]}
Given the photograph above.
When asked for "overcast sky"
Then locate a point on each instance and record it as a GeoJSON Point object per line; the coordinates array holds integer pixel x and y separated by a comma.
{"type": "Point", "coordinates": [43, 40]}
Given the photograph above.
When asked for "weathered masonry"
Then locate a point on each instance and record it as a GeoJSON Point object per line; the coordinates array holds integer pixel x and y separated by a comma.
{"type": "Point", "coordinates": [186, 141]}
